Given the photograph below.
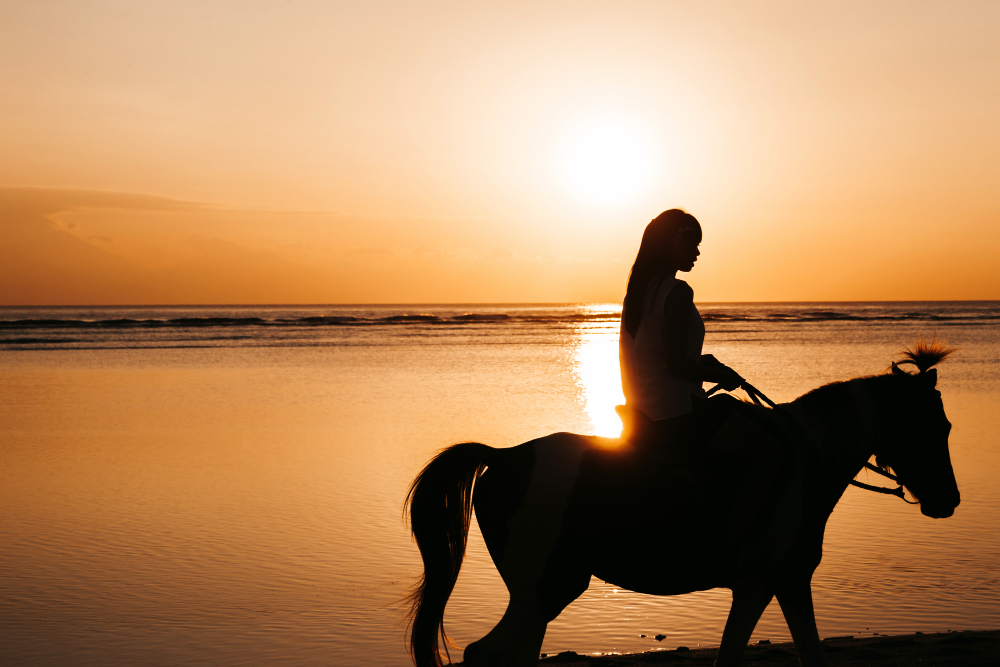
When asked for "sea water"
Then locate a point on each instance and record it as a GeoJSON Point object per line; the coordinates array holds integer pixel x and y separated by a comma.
{"type": "Point", "coordinates": [224, 485]}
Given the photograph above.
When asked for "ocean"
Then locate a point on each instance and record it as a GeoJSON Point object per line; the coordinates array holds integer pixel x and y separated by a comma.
{"type": "Point", "coordinates": [224, 485]}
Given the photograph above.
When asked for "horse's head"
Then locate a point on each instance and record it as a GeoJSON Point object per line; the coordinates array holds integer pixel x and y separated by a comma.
{"type": "Point", "coordinates": [916, 441]}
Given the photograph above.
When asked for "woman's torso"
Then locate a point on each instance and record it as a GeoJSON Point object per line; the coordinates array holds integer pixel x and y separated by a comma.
{"type": "Point", "coordinates": [648, 384]}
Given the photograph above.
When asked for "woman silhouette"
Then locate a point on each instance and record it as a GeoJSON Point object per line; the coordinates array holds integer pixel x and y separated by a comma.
{"type": "Point", "coordinates": [662, 331]}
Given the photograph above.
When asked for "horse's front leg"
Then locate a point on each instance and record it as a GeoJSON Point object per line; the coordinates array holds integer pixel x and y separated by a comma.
{"type": "Point", "coordinates": [795, 598]}
{"type": "Point", "coordinates": [750, 599]}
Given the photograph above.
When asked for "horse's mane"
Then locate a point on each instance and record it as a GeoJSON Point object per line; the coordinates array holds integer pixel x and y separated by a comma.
{"type": "Point", "coordinates": [926, 354]}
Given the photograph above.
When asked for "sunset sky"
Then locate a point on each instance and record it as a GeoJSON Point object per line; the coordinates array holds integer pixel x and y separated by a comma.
{"type": "Point", "coordinates": [365, 152]}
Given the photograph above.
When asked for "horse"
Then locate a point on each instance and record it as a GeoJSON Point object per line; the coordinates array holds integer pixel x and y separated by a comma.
{"type": "Point", "coordinates": [743, 505]}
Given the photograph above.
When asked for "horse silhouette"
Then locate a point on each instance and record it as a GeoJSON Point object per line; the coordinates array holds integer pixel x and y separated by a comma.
{"type": "Point", "coordinates": [739, 501]}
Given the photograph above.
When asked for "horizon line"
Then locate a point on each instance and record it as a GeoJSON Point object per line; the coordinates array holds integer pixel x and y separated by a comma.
{"type": "Point", "coordinates": [464, 303]}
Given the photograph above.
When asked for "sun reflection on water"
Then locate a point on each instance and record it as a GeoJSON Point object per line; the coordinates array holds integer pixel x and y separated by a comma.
{"type": "Point", "coordinates": [595, 364]}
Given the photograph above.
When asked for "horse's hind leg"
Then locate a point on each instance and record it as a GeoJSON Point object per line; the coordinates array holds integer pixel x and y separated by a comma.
{"type": "Point", "coordinates": [795, 598]}
{"type": "Point", "coordinates": [541, 582]}
{"type": "Point", "coordinates": [750, 599]}
{"type": "Point", "coordinates": [517, 639]}
{"type": "Point", "coordinates": [530, 550]}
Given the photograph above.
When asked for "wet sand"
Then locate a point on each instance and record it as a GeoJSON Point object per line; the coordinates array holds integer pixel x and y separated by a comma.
{"type": "Point", "coordinates": [946, 649]}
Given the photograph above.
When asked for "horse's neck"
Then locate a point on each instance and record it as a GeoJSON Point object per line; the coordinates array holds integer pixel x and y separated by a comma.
{"type": "Point", "coordinates": [840, 429]}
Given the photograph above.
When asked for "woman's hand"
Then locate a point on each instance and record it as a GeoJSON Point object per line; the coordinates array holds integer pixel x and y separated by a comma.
{"type": "Point", "coordinates": [720, 373]}
{"type": "Point", "coordinates": [730, 380]}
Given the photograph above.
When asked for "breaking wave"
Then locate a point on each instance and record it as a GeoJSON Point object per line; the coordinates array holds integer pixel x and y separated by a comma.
{"type": "Point", "coordinates": [411, 319]}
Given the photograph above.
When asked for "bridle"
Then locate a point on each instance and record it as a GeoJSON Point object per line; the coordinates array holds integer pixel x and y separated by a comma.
{"type": "Point", "coordinates": [898, 491]}
{"type": "Point", "coordinates": [756, 395]}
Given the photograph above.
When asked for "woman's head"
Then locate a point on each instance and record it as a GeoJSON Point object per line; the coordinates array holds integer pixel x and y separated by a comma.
{"type": "Point", "coordinates": [670, 243]}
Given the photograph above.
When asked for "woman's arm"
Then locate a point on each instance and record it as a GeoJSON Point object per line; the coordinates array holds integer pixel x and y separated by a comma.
{"type": "Point", "coordinates": [677, 311]}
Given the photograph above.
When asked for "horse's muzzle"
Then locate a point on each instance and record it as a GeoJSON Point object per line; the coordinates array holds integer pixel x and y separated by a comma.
{"type": "Point", "coordinates": [940, 508]}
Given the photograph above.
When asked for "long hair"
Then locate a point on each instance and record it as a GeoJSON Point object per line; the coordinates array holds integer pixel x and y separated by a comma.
{"type": "Point", "coordinates": [650, 260]}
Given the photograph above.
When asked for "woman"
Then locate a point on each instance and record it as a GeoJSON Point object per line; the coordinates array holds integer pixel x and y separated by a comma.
{"type": "Point", "coordinates": [662, 332]}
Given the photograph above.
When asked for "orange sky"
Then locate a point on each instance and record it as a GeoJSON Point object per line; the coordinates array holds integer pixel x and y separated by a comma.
{"type": "Point", "coordinates": [228, 152]}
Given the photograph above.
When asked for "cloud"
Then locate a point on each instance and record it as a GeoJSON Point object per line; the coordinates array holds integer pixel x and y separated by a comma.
{"type": "Point", "coordinates": [437, 253]}
{"type": "Point", "coordinates": [225, 272]}
{"type": "Point", "coordinates": [41, 263]}
{"type": "Point", "coordinates": [207, 244]}
{"type": "Point", "coordinates": [380, 251]}
{"type": "Point", "coordinates": [50, 201]}
{"type": "Point", "coordinates": [502, 253]}
{"type": "Point", "coordinates": [430, 252]}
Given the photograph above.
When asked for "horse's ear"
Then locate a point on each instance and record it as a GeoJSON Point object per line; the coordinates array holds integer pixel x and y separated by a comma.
{"type": "Point", "coordinates": [929, 376]}
{"type": "Point", "coordinates": [896, 370]}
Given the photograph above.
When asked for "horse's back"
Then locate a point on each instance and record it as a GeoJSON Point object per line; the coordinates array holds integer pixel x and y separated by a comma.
{"type": "Point", "coordinates": [638, 513]}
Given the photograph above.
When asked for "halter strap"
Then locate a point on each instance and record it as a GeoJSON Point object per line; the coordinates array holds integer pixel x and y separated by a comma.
{"type": "Point", "coordinates": [898, 491]}
{"type": "Point", "coordinates": [862, 398]}
{"type": "Point", "coordinates": [878, 470]}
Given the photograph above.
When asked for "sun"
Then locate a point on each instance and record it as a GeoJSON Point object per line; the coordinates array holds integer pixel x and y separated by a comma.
{"type": "Point", "coordinates": [606, 160]}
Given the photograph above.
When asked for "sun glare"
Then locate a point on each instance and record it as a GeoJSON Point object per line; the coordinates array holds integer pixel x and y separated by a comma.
{"type": "Point", "coordinates": [596, 368]}
{"type": "Point", "coordinates": [606, 160]}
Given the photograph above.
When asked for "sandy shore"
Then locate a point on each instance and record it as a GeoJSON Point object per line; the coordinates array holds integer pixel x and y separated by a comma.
{"type": "Point", "coordinates": [946, 649]}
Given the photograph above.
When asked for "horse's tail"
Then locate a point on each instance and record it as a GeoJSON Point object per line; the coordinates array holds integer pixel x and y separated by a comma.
{"type": "Point", "coordinates": [440, 507]}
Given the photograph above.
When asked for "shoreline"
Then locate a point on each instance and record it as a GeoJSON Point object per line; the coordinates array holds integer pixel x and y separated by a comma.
{"type": "Point", "coordinates": [971, 648]}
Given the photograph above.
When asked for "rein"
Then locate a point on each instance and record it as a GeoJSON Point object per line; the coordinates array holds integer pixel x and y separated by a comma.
{"type": "Point", "coordinates": [756, 395]}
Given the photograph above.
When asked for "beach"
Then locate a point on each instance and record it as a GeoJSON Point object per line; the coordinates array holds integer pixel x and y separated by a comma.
{"type": "Point", "coordinates": [948, 649]}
